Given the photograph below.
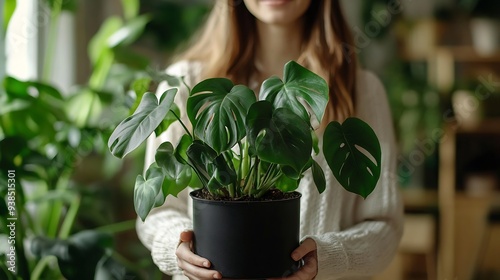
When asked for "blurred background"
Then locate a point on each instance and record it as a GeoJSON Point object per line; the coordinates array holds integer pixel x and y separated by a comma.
{"type": "Point", "coordinates": [73, 69]}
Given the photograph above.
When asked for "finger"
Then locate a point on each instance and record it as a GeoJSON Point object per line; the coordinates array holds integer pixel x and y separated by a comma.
{"type": "Point", "coordinates": [307, 246]}
{"type": "Point", "coordinates": [185, 254]}
{"type": "Point", "coordinates": [197, 272]}
{"type": "Point", "coordinates": [308, 271]}
{"type": "Point", "coordinates": [186, 236]}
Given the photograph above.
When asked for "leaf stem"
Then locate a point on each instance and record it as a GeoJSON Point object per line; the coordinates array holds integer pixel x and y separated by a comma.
{"type": "Point", "coordinates": [182, 124]}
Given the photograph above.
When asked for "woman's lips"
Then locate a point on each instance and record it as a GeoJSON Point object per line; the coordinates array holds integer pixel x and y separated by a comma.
{"type": "Point", "coordinates": [275, 2]}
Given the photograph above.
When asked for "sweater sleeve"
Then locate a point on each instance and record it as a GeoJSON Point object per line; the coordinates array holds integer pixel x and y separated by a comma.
{"type": "Point", "coordinates": [161, 230]}
{"type": "Point", "coordinates": [367, 246]}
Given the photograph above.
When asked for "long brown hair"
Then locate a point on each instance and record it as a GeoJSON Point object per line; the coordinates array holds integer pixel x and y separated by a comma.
{"type": "Point", "coordinates": [226, 48]}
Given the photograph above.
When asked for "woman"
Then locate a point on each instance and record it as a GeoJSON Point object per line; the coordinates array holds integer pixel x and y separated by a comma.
{"type": "Point", "coordinates": [343, 236]}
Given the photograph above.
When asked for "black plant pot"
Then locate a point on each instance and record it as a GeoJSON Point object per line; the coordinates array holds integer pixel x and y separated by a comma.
{"type": "Point", "coordinates": [247, 239]}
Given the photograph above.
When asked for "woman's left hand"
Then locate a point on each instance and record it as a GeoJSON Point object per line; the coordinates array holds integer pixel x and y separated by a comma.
{"type": "Point", "coordinates": [306, 251]}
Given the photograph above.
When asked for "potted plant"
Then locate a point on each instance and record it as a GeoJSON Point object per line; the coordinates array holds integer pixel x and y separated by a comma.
{"type": "Point", "coordinates": [246, 156]}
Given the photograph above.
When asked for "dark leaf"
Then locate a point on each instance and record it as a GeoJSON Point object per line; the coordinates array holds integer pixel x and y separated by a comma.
{"type": "Point", "coordinates": [318, 176]}
{"type": "Point", "coordinates": [217, 110]}
{"type": "Point", "coordinates": [78, 256]}
{"type": "Point", "coordinates": [278, 136]}
{"type": "Point", "coordinates": [299, 85]}
{"type": "Point", "coordinates": [352, 151]}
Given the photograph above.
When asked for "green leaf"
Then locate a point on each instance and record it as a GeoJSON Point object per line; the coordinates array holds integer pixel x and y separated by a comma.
{"type": "Point", "coordinates": [147, 189]}
{"type": "Point", "coordinates": [299, 85]}
{"type": "Point", "coordinates": [129, 32]}
{"type": "Point", "coordinates": [318, 176]}
{"type": "Point", "coordinates": [130, 8]}
{"type": "Point", "coordinates": [286, 184]}
{"type": "Point", "coordinates": [132, 131]}
{"type": "Point", "coordinates": [85, 108]}
{"type": "Point", "coordinates": [98, 44]}
{"type": "Point", "coordinates": [217, 110]}
{"type": "Point", "coordinates": [201, 158]}
{"type": "Point", "coordinates": [278, 136]}
{"type": "Point", "coordinates": [182, 147]}
{"type": "Point", "coordinates": [8, 9]}
{"type": "Point", "coordinates": [66, 5]}
{"type": "Point", "coordinates": [78, 256]}
{"type": "Point", "coordinates": [140, 87]}
{"type": "Point", "coordinates": [177, 174]}
{"type": "Point", "coordinates": [169, 119]}
{"type": "Point", "coordinates": [134, 60]}
{"type": "Point", "coordinates": [352, 151]}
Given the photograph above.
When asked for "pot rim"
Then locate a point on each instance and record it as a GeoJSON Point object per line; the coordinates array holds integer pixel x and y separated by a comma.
{"type": "Point", "coordinates": [236, 202]}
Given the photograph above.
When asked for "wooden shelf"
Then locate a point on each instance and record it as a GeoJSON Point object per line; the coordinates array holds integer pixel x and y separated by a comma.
{"type": "Point", "coordinates": [469, 54]}
{"type": "Point", "coordinates": [460, 54]}
{"type": "Point", "coordinates": [420, 200]}
{"type": "Point", "coordinates": [486, 126]}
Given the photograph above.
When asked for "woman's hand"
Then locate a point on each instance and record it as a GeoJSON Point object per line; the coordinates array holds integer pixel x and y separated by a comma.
{"type": "Point", "coordinates": [307, 251]}
{"type": "Point", "coordinates": [193, 266]}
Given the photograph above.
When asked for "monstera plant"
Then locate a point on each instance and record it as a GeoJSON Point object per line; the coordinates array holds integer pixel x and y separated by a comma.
{"type": "Point", "coordinates": [241, 146]}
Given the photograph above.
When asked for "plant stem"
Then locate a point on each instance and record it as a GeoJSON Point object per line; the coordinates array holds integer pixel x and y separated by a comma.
{"type": "Point", "coordinates": [228, 157]}
{"type": "Point", "coordinates": [55, 14]}
{"type": "Point", "coordinates": [272, 174]}
{"type": "Point", "coordinates": [101, 71]}
{"type": "Point", "coordinates": [57, 206]}
{"type": "Point", "coordinates": [40, 266]}
{"type": "Point", "coordinates": [182, 124]}
{"type": "Point", "coordinates": [185, 84]}
{"type": "Point", "coordinates": [70, 218]}
{"type": "Point", "coordinates": [249, 180]}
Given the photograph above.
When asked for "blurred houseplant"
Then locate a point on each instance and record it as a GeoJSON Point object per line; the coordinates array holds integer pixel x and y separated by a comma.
{"type": "Point", "coordinates": [46, 136]}
{"type": "Point", "coordinates": [243, 149]}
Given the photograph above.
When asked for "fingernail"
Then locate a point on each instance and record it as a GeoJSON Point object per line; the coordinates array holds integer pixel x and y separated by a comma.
{"type": "Point", "coordinates": [206, 264]}
{"type": "Point", "coordinates": [217, 276]}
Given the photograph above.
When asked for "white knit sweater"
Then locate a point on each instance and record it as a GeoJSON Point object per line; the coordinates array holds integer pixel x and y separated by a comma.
{"type": "Point", "coordinates": [356, 238]}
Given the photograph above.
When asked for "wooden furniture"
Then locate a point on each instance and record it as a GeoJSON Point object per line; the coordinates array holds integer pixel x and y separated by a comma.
{"type": "Point", "coordinates": [463, 216]}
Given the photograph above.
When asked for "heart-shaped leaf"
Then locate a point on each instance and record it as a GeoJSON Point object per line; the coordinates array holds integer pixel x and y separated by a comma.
{"type": "Point", "coordinates": [132, 131]}
{"type": "Point", "coordinates": [352, 151]}
{"type": "Point", "coordinates": [299, 85]}
{"type": "Point", "coordinates": [278, 136]}
{"type": "Point", "coordinates": [217, 110]}
{"type": "Point", "coordinates": [177, 175]}
{"type": "Point", "coordinates": [147, 189]}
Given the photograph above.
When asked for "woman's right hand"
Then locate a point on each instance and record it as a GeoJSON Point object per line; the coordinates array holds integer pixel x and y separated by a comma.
{"type": "Point", "coordinates": [193, 266]}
